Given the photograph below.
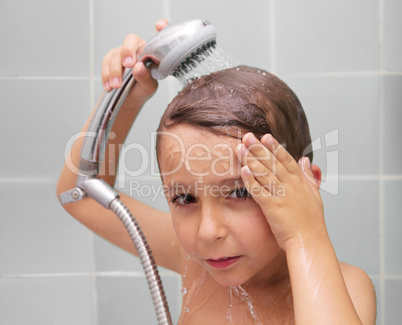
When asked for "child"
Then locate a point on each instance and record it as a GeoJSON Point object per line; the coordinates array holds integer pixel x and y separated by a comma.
{"type": "Point", "coordinates": [246, 226]}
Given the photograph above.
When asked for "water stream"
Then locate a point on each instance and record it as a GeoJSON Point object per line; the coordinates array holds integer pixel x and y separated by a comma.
{"type": "Point", "coordinates": [212, 60]}
{"type": "Point", "coordinates": [241, 296]}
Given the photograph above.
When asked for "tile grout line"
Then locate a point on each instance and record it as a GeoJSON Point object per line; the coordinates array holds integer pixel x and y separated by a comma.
{"type": "Point", "coordinates": [381, 164]}
{"type": "Point", "coordinates": [272, 36]}
{"type": "Point", "coordinates": [320, 74]}
{"type": "Point", "coordinates": [106, 274]}
{"type": "Point", "coordinates": [91, 239]}
{"type": "Point", "coordinates": [166, 10]}
{"type": "Point", "coordinates": [43, 78]}
{"type": "Point", "coordinates": [129, 274]}
{"type": "Point", "coordinates": [92, 54]}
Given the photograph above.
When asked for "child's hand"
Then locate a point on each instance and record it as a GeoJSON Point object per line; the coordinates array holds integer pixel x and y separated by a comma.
{"type": "Point", "coordinates": [126, 56]}
{"type": "Point", "coordinates": [286, 191]}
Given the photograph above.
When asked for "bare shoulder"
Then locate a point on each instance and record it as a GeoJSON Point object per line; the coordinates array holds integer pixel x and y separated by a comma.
{"type": "Point", "coordinates": [361, 291]}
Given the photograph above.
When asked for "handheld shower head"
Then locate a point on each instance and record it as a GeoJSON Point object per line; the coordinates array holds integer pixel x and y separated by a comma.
{"type": "Point", "coordinates": [175, 50]}
{"type": "Point", "coordinates": [176, 47]}
{"type": "Point", "coordinates": [172, 51]}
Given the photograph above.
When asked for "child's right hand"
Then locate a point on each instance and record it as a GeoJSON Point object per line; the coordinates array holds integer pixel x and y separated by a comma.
{"type": "Point", "coordinates": [126, 56]}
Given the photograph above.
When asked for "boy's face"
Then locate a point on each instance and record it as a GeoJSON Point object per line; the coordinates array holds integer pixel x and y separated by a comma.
{"type": "Point", "coordinates": [217, 222]}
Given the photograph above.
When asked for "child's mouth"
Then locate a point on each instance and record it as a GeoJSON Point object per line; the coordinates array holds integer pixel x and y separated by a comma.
{"type": "Point", "coordinates": [223, 262]}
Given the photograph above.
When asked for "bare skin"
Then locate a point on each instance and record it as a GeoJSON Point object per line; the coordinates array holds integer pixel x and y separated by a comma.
{"type": "Point", "coordinates": [274, 246]}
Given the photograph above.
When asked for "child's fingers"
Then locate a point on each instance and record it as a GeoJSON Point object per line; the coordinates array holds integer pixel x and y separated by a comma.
{"type": "Point", "coordinates": [261, 152]}
{"type": "Point", "coordinates": [253, 186]}
{"type": "Point", "coordinates": [116, 68]}
{"type": "Point", "coordinates": [260, 172]}
{"type": "Point", "coordinates": [131, 44]}
{"type": "Point", "coordinates": [143, 76]}
{"type": "Point", "coordinates": [265, 156]}
{"type": "Point", "coordinates": [161, 24]}
{"type": "Point", "coordinates": [105, 71]}
{"type": "Point", "coordinates": [283, 156]}
{"type": "Point", "coordinates": [305, 167]}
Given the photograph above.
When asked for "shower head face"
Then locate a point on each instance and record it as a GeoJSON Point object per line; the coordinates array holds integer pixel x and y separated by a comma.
{"type": "Point", "coordinates": [176, 45]}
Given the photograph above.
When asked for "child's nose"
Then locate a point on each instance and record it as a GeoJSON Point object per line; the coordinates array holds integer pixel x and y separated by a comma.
{"type": "Point", "coordinates": [212, 226]}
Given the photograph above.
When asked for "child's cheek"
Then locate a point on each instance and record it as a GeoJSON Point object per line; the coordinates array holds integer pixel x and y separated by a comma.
{"type": "Point", "coordinates": [185, 233]}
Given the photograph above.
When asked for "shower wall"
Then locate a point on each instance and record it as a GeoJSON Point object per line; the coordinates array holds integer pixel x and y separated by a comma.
{"type": "Point", "coordinates": [344, 61]}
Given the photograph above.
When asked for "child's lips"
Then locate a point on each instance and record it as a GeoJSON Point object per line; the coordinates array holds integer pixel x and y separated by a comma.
{"type": "Point", "coordinates": [223, 262]}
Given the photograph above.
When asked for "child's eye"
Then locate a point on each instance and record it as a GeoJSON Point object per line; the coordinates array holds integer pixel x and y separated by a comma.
{"type": "Point", "coordinates": [184, 199]}
{"type": "Point", "coordinates": [239, 193]}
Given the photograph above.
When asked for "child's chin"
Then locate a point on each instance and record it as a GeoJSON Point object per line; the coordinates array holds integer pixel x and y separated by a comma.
{"type": "Point", "coordinates": [228, 281]}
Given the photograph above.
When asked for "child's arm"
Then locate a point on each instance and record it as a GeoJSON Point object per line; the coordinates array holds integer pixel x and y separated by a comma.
{"type": "Point", "coordinates": [323, 291]}
{"type": "Point", "coordinates": [155, 224]}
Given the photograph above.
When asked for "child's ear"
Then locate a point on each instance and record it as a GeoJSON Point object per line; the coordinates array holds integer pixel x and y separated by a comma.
{"type": "Point", "coordinates": [317, 174]}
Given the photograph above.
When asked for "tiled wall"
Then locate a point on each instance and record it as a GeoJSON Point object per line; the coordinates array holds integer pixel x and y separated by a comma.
{"type": "Point", "coordinates": [342, 58]}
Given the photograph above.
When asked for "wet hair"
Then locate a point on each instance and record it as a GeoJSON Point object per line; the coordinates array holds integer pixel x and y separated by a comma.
{"type": "Point", "coordinates": [238, 100]}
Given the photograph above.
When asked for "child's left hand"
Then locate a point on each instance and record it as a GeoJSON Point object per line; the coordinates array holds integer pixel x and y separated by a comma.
{"type": "Point", "coordinates": [286, 191]}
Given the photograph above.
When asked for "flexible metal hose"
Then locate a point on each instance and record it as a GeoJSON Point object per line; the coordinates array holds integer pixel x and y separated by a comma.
{"type": "Point", "coordinates": [147, 261]}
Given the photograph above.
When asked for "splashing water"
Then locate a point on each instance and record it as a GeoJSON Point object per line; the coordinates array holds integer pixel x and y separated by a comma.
{"type": "Point", "coordinates": [242, 296]}
{"type": "Point", "coordinates": [184, 289]}
{"type": "Point", "coordinates": [212, 60]}
{"type": "Point", "coordinates": [229, 311]}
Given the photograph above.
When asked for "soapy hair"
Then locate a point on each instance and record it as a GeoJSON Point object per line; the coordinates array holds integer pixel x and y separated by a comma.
{"type": "Point", "coordinates": [238, 100]}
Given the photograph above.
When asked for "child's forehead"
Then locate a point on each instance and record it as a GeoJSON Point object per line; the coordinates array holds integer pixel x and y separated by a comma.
{"type": "Point", "coordinates": [193, 140]}
{"type": "Point", "coordinates": [198, 151]}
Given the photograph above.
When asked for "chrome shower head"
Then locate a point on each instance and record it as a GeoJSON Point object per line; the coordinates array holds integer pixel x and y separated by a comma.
{"type": "Point", "coordinates": [176, 48]}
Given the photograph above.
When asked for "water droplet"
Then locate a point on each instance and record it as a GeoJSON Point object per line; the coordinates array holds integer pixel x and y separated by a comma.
{"type": "Point", "coordinates": [186, 310]}
{"type": "Point", "coordinates": [185, 267]}
{"type": "Point", "coordinates": [183, 291]}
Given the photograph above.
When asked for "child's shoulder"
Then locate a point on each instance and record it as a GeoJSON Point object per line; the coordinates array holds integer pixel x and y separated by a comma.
{"type": "Point", "coordinates": [361, 291]}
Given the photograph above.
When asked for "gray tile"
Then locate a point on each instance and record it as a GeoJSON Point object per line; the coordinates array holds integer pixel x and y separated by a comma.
{"type": "Point", "coordinates": [44, 38]}
{"type": "Point", "coordinates": [37, 235]}
{"type": "Point", "coordinates": [110, 258]}
{"type": "Point", "coordinates": [243, 30]}
{"type": "Point", "coordinates": [114, 20]}
{"type": "Point", "coordinates": [316, 36]}
{"type": "Point", "coordinates": [349, 105]}
{"type": "Point", "coordinates": [41, 117]}
{"type": "Point", "coordinates": [392, 227]}
{"type": "Point", "coordinates": [392, 41]}
{"type": "Point", "coordinates": [393, 297]}
{"type": "Point", "coordinates": [125, 300]}
{"type": "Point", "coordinates": [392, 128]}
{"type": "Point", "coordinates": [46, 300]}
{"type": "Point", "coordinates": [352, 218]}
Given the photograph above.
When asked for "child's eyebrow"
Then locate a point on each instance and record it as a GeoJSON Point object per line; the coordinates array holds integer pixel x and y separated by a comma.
{"type": "Point", "coordinates": [233, 181]}
{"type": "Point", "coordinates": [186, 187]}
